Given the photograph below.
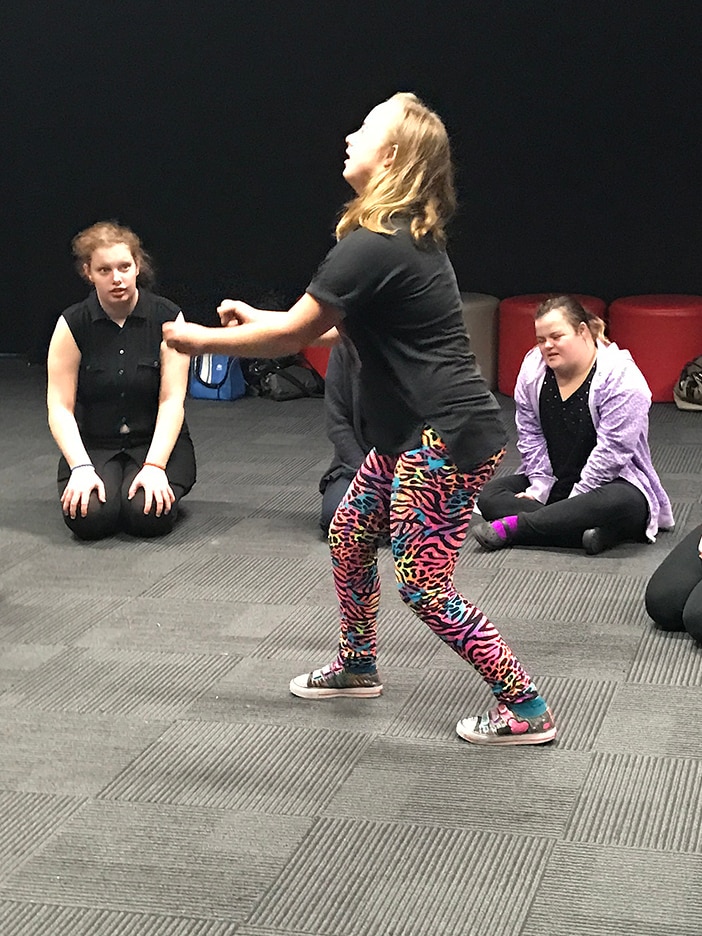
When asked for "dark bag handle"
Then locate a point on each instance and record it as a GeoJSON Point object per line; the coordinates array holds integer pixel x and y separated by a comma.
{"type": "Point", "coordinates": [284, 372]}
{"type": "Point", "coordinates": [212, 385]}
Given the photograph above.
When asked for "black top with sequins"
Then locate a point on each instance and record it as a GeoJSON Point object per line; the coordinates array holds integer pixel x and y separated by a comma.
{"type": "Point", "coordinates": [569, 431]}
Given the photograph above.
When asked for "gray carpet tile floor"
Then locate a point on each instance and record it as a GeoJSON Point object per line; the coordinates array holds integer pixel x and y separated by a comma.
{"type": "Point", "coordinates": [157, 778]}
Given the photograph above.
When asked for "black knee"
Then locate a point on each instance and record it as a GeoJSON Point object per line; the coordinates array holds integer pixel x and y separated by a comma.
{"type": "Point", "coordinates": [498, 498]}
{"type": "Point", "coordinates": [101, 520]}
{"type": "Point", "coordinates": [489, 503]}
{"type": "Point", "coordinates": [137, 523]}
{"type": "Point", "coordinates": [663, 606]}
{"type": "Point", "coordinates": [692, 616]}
{"type": "Point", "coordinates": [694, 629]}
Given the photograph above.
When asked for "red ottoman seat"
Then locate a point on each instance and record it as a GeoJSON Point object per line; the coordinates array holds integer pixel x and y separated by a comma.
{"type": "Point", "coordinates": [317, 357]}
{"type": "Point", "coordinates": [516, 332]}
{"type": "Point", "coordinates": [662, 332]}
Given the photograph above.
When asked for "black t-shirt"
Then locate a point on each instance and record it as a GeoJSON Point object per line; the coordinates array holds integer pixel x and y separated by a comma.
{"type": "Point", "coordinates": [569, 432]}
{"type": "Point", "coordinates": [119, 381]}
{"type": "Point", "coordinates": [402, 310]}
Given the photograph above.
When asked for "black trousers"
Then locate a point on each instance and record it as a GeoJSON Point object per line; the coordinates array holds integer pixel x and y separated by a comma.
{"type": "Point", "coordinates": [119, 513]}
{"type": "Point", "coordinates": [618, 506]}
{"type": "Point", "coordinates": [674, 591]}
{"type": "Point", "coordinates": [331, 498]}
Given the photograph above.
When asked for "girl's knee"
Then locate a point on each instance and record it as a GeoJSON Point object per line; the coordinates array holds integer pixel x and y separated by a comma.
{"type": "Point", "coordinates": [692, 616]}
{"type": "Point", "coordinates": [101, 520]}
{"type": "Point", "coordinates": [422, 601]}
{"type": "Point", "coordinates": [663, 606]}
{"type": "Point", "coordinates": [137, 523]}
{"type": "Point", "coordinates": [351, 542]}
{"type": "Point", "coordinates": [693, 626]}
{"type": "Point", "coordinates": [411, 596]}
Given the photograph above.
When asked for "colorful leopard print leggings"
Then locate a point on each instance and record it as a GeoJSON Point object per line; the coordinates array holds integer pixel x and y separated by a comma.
{"type": "Point", "coordinates": [425, 504]}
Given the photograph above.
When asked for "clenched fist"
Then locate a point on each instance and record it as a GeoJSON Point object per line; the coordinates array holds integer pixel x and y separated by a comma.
{"type": "Point", "coordinates": [186, 337]}
{"type": "Point", "coordinates": [235, 312]}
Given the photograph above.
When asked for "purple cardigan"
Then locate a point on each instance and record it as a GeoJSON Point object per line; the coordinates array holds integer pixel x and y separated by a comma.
{"type": "Point", "coordinates": [619, 402]}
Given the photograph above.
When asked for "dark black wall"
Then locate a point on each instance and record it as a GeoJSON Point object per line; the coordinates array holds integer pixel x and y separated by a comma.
{"type": "Point", "coordinates": [216, 130]}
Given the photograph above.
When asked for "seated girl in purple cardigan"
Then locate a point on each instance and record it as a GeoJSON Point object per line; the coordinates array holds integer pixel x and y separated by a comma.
{"type": "Point", "coordinates": [586, 478]}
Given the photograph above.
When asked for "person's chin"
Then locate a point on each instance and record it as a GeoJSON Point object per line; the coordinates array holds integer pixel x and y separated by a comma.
{"type": "Point", "coordinates": [118, 299]}
{"type": "Point", "coordinates": [352, 179]}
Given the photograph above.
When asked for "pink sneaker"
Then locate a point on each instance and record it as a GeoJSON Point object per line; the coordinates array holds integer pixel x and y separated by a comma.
{"type": "Point", "coordinates": [500, 725]}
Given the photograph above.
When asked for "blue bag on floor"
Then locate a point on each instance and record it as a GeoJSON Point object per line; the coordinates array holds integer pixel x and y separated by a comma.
{"type": "Point", "coordinates": [216, 377]}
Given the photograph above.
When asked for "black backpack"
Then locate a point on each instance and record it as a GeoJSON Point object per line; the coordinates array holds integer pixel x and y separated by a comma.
{"type": "Point", "coordinates": [286, 378]}
{"type": "Point", "coordinates": [687, 392]}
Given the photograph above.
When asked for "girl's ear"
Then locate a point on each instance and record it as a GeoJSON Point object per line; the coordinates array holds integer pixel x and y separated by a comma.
{"type": "Point", "coordinates": [390, 156]}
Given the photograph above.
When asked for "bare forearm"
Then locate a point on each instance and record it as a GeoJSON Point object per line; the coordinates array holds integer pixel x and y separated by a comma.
{"type": "Point", "coordinates": [250, 332]}
{"type": "Point", "coordinates": [328, 339]}
{"type": "Point", "coordinates": [169, 422]}
{"type": "Point", "coordinates": [64, 429]}
{"type": "Point", "coordinates": [259, 339]}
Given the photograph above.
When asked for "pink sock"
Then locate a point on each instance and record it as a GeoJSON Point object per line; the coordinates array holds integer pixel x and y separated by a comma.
{"type": "Point", "coordinates": [506, 527]}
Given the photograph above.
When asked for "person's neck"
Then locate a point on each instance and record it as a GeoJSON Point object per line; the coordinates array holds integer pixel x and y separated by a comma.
{"type": "Point", "coordinates": [119, 313]}
{"type": "Point", "coordinates": [576, 375]}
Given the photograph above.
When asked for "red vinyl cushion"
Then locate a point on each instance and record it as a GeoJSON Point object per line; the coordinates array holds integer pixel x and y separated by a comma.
{"type": "Point", "coordinates": [318, 358]}
{"type": "Point", "coordinates": [663, 332]}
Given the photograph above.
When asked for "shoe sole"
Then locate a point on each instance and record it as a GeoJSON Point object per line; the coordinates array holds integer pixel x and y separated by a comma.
{"type": "Point", "coordinates": [359, 692]}
{"type": "Point", "coordinates": [684, 405]}
{"type": "Point", "coordinates": [487, 544]}
{"type": "Point", "coordinates": [544, 737]}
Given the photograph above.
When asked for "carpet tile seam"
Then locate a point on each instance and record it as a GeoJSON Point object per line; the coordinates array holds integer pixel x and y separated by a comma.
{"type": "Point", "coordinates": [77, 685]}
{"type": "Point", "coordinates": [403, 833]}
{"type": "Point", "coordinates": [630, 778]}
{"type": "Point", "coordinates": [157, 755]}
{"type": "Point", "coordinates": [58, 820]}
{"type": "Point", "coordinates": [26, 907]}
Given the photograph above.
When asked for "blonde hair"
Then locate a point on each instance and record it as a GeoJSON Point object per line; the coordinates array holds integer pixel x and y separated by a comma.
{"type": "Point", "coordinates": [418, 184]}
{"type": "Point", "coordinates": [574, 313]}
{"type": "Point", "coordinates": [107, 234]}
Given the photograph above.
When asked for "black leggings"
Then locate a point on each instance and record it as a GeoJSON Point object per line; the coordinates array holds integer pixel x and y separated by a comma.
{"type": "Point", "coordinates": [618, 506]}
{"type": "Point", "coordinates": [674, 591]}
{"type": "Point", "coordinates": [119, 513]}
{"type": "Point", "coordinates": [331, 498]}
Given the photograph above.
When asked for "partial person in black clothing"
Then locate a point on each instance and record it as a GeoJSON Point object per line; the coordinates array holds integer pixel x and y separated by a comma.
{"type": "Point", "coordinates": [116, 396]}
{"type": "Point", "coordinates": [674, 591]}
{"type": "Point", "coordinates": [344, 425]}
